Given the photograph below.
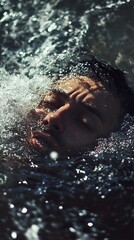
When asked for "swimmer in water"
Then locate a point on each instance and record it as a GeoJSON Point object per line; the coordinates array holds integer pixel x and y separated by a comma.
{"type": "Point", "coordinates": [80, 108]}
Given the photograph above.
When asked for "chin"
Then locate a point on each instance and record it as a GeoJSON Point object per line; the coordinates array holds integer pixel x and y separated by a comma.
{"type": "Point", "coordinates": [56, 153]}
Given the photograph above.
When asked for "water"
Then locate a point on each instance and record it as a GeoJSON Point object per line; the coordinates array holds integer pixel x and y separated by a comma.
{"type": "Point", "coordinates": [90, 196]}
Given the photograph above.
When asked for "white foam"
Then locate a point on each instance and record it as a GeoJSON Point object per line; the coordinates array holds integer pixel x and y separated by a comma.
{"type": "Point", "coordinates": [32, 232]}
{"type": "Point", "coordinates": [18, 94]}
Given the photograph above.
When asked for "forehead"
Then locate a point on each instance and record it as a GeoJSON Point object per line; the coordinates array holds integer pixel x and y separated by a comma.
{"type": "Point", "coordinates": [73, 83]}
{"type": "Point", "coordinates": [95, 95]}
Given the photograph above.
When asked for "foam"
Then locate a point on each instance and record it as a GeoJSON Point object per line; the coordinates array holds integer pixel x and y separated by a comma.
{"type": "Point", "coordinates": [18, 95]}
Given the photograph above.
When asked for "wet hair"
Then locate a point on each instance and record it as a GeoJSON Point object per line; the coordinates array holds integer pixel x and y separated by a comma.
{"type": "Point", "coordinates": [112, 78]}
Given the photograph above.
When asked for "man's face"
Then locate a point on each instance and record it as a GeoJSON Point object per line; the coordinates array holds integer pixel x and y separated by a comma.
{"type": "Point", "coordinates": [73, 116]}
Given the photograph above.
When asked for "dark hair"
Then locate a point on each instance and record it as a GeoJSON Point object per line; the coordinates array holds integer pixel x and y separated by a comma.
{"type": "Point", "coordinates": [112, 78]}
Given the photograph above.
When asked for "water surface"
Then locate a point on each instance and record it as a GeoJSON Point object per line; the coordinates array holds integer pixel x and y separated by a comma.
{"type": "Point", "coordinates": [90, 196]}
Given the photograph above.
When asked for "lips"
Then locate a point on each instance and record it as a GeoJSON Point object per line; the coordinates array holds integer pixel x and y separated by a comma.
{"type": "Point", "coordinates": [39, 135]}
{"type": "Point", "coordinates": [42, 141]}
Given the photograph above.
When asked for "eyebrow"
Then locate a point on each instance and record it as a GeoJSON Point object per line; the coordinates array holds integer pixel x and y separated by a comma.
{"type": "Point", "coordinates": [62, 93]}
{"type": "Point", "coordinates": [84, 84]}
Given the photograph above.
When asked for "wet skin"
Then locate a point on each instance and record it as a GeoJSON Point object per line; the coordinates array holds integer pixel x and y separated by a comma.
{"type": "Point", "coordinates": [72, 116]}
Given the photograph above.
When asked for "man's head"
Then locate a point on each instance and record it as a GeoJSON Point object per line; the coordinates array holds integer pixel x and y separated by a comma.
{"type": "Point", "coordinates": [79, 109]}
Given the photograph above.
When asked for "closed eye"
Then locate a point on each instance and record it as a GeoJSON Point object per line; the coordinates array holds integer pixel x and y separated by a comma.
{"type": "Point", "coordinates": [92, 110]}
{"type": "Point", "coordinates": [85, 123]}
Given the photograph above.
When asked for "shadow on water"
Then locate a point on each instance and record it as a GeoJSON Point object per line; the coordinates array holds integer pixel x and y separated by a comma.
{"type": "Point", "coordinates": [90, 196]}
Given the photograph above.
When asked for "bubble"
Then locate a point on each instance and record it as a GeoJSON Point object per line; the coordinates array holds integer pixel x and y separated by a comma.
{"type": "Point", "coordinates": [25, 182]}
{"type": "Point", "coordinates": [60, 207]}
{"type": "Point", "coordinates": [3, 179]}
{"type": "Point", "coordinates": [72, 230]}
{"type": "Point", "coordinates": [24, 210]}
{"type": "Point", "coordinates": [11, 205]}
{"type": "Point", "coordinates": [90, 224]}
{"type": "Point", "coordinates": [52, 27]}
{"type": "Point", "coordinates": [14, 235]}
{"type": "Point", "coordinates": [83, 213]}
{"type": "Point", "coordinates": [54, 155]}
{"type": "Point", "coordinates": [32, 233]}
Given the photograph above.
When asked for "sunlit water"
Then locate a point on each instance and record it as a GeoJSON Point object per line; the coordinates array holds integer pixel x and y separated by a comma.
{"type": "Point", "coordinates": [90, 196]}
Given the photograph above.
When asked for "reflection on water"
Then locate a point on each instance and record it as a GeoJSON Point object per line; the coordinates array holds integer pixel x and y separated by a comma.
{"type": "Point", "coordinates": [90, 196]}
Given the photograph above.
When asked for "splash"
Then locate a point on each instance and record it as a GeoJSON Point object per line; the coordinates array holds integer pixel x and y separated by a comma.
{"type": "Point", "coordinates": [19, 94]}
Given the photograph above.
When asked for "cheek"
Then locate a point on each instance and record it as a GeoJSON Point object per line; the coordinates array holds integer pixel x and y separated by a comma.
{"type": "Point", "coordinates": [76, 136]}
{"type": "Point", "coordinates": [111, 119]}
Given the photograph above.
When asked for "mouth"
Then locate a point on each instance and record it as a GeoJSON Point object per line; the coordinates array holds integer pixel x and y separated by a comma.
{"type": "Point", "coordinates": [42, 141]}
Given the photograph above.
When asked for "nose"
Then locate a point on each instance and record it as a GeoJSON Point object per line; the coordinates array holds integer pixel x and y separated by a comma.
{"type": "Point", "coordinates": [56, 121]}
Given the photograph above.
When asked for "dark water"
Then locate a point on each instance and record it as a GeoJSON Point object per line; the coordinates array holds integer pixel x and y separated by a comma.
{"type": "Point", "coordinates": [88, 197]}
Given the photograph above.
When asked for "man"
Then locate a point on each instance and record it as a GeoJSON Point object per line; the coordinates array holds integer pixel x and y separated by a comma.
{"type": "Point", "coordinates": [86, 105]}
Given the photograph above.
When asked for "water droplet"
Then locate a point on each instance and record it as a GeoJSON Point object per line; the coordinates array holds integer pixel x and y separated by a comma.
{"type": "Point", "coordinates": [90, 224]}
{"type": "Point", "coordinates": [11, 205]}
{"type": "Point", "coordinates": [14, 235]}
{"type": "Point", "coordinates": [24, 210]}
{"type": "Point", "coordinates": [52, 27]}
{"type": "Point", "coordinates": [24, 182]}
{"type": "Point", "coordinates": [32, 232]}
{"type": "Point", "coordinates": [3, 179]}
{"type": "Point", "coordinates": [54, 155]}
{"type": "Point", "coordinates": [72, 229]}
